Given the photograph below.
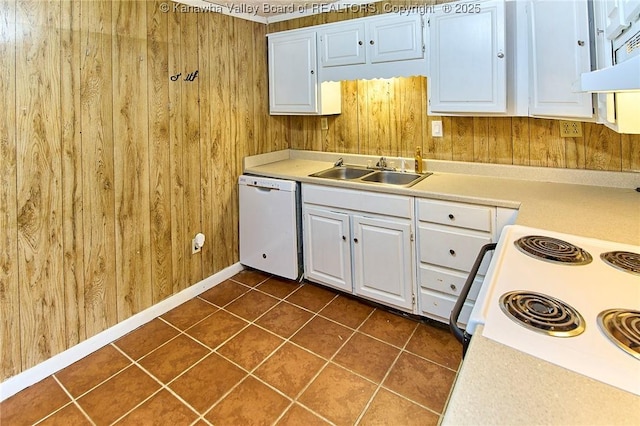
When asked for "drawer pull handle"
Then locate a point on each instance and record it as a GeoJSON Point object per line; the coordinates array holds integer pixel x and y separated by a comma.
{"type": "Point", "coordinates": [452, 252]}
{"type": "Point", "coordinates": [452, 217]}
{"type": "Point", "coordinates": [360, 43]}
{"type": "Point", "coordinates": [355, 240]}
{"type": "Point", "coordinates": [371, 42]}
{"type": "Point", "coordinates": [453, 287]}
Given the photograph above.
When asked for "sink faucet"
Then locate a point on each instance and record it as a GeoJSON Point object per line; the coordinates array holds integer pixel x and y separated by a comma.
{"type": "Point", "coordinates": [339, 163]}
{"type": "Point", "coordinates": [382, 163]}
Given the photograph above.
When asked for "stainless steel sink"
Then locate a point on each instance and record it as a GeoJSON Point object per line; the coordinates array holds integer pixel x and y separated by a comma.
{"type": "Point", "coordinates": [343, 173]}
{"type": "Point", "coordinates": [389, 177]}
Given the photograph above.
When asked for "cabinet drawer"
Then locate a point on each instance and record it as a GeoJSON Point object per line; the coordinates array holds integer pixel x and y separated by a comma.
{"type": "Point", "coordinates": [361, 201]}
{"type": "Point", "coordinates": [451, 247]}
{"type": "Point", "coordinates": [456, 214]}
{"type": "Point", "coordinates": [439, 306]}
{"type": "Point", "coordinates": [447, 281]}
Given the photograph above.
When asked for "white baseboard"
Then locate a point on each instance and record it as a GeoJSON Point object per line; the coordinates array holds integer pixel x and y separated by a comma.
{"type": "Point", "coordinates": [33, 375]}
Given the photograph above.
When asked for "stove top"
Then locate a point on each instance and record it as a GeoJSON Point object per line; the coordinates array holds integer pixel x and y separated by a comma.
{"type": "Point", "coordinates": [565, 312]}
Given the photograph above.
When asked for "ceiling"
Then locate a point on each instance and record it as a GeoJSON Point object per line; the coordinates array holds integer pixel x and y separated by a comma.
{"type": "Point", "coordinates": [267, 11]}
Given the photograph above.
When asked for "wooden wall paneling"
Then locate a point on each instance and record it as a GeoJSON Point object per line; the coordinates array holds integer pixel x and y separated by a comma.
{"type": "Point", "coordinates": [547, 148]}
{"type": "Point", "coordinates": [260, 89]}
{"type": "Point", "coordinates": [520, 140]}
{"type": "Point", "coordinates": [159, 151]}
{"type": "Point", "coordinates": [223, 167]}
{"type": "Point", "coordinates": [481, 139]}
{"type": "Point", "coordinates": [131, 155]}
{"type": "Point", "coordinates": [603, 148]}
{"type": "Point", "coordinates": [378, 117]}
{"type": "Point", "coordinates": [73, 232]}
{"type": "Point", "coordinates": [236, 135]}
{"type": "Point", "coordinates": [462, 138]}
{"type": "Point", "coordinates": [345, 134]}
{"type": "Point", "coordinates": [630, 153]}
{"type": "Point", "coordinates": [39, 188]}
{"type": "Point", "coordinates": [500, 140]}
{"type": "Point", "coordinates": [412, 113]}
{"type": "Point", "coordinates": [362, 113]}
{"type": "Point", "coordinates": [394, 119]}
{"type": "Point", "coordinates": [436, 148]}
{"type": "Point", "coordinates": [191, 144]}
{"type": "Point", "coordinates": [180, 242]}
{"type": "Point", "coordinates": [98, 192]}
{"type": "Point", "coordinates": [10, 353]}
{"type": "Point", "coordinates": [575, 151]}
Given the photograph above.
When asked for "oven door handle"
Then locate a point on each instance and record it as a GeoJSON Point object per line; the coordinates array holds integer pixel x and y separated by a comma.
{"type": "Point", "coordinates": [461, 335]}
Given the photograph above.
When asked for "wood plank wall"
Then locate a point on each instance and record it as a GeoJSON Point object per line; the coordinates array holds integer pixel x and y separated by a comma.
{"type": "Point", "coordinates": [389, 117]}
{"type": "Point", "coordinates": [108, 168]}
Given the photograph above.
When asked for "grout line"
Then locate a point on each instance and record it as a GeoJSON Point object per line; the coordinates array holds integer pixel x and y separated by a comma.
{"type": "Point", "coordinates": [71, 402]}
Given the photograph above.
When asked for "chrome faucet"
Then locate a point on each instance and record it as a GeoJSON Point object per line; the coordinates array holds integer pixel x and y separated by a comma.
{"type": "Point", "coordinates": [382, 163]}
{"type": "Point", "coordinates": [338, 163]}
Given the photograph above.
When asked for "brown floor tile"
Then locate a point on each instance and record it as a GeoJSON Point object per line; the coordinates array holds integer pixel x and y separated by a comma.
{"type": "Point", "coordinates": [250, 277]}
{"type": "Point", "coordinates": [189, 313]}
{"type": "Point", "coordinates": [311, 297]}
{"type": "Point", "coordinates": [367, 356]}
{"type": "Point", "coordinates": [207, 382]}
{"type": "Point", "coordinates": [250, 347]}
{"type": "Point", "coordinates": [297, 415]}
{"type": "Point", "coordinates": [389, 327]}
{"type": "Point", "coordinates": [251, 305]}
{"type": "Point", "coordinates": [436, 344]}
{"type": "Point", "coordinates": [161, 409]}
{"type": "Point", "coordinates": [421, 381]}
{"type": "Point", "coordinates": [265, 406]}
{"type": "Point", "coordinates": [390, 409]}
{"type": "Point", "coordinates": [33, 403]}
{"type": "Point", "coordinates": [91, 370]}
{"type": "Point", "coordinates": [69, 415]}
{"type": "Point", "coordinates": [284, 319]}
{"type": "Point", "coordinates": [168, 361]}
{"type": "Point", "coordinates": [118, 395]}
{"type": "Point", "coordinates": [322, 336]}
{"type": "Point", "coordinates": [216, 328]}
{"type": "Point", "coordinates": [290, 369]}
{"type": "Point", "coordinates": [224, 293]}
{"type": "Point", "coordinates": [278, 287]}
{"type": "Point", "coordinates": [144, 339]}
{"type": "Point", "coordinates": [347, 311]}
{"type": "Point", "coordinates": [338, 395]}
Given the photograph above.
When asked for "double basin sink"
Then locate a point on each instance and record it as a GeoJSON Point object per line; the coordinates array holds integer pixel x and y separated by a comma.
{"type": "Point", "coordinates": [365, 175]}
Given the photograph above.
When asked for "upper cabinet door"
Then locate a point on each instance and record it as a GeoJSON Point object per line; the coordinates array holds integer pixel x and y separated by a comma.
{"type": "Point", "coordinates": [468, 58]}
{"type": "Point", "coordinates": [395, 38]}
{"type": "Point", "coordinates": [559, 53]}
{"type": "Point", "coordinates": [293, 73]}
{"type": "Point", "coordinates": [342, 44]}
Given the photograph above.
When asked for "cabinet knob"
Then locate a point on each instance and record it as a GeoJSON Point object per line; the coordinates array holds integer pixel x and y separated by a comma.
{"type": "Point", "coordinates": [360, 43]}
{"type": "Point", "coordinates": [452, 252]}
{"type": "Point", "coordinates": [452, 217]}
{"type": "Point", "coordinates": [500, 55]}
{"type": "Point", "coordinates": [355, 240]}
{"type": "Point", "coordinates": [453, 287]}
{"type": "Point", "coordinates": [313, 72]}
{"type": "Point", "coordinates": [371, 42]}
{"type": "Point", "coordinates": [344, 238]}
{"type": "Point", "coordinates": [580, 43]}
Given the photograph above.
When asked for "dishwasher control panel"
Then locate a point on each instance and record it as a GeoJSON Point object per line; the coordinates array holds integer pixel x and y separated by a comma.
{"type": "Point", "coordinates": [266, 183]}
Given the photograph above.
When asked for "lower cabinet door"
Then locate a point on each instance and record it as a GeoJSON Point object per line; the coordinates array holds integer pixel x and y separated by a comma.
{"type": "Point", "coordinates": [382, 261]}
{"type": "Point", "coordinates": [327, 248]}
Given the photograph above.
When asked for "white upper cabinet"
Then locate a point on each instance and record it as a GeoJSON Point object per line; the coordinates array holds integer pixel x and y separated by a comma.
{"type": "Point", "coordinates": [383, 46]}
{"type": "Point", "coordinates": [468, 58]}
{"type": "Point", "coordinates": [559, 54]}
{"type": "Point", "coordinates": [294, 87]}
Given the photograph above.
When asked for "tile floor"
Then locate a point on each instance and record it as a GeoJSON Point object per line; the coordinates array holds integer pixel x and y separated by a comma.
{"type": "Point", "coordinates": [255, 350]}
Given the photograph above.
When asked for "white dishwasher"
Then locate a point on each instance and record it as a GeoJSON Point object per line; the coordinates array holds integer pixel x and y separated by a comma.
{"type": "Point", "coordinates": [270, 239]}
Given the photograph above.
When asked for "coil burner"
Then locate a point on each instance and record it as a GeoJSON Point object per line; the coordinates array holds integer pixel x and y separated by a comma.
{"type": "Point", "coordinates": [622, 327]}
{"type": "Point", "coordinates": [541, 313]}
{"type": "Point", "coordinates": [552, 250]}
{"type": "Point", "coordinates": [623, 260]}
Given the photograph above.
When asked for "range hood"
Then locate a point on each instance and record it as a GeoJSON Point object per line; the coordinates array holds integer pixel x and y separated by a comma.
{"type": "Point", "coordinates": [623, 77]}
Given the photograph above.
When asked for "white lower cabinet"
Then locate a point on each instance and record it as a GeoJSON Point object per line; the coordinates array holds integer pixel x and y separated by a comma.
{"type": "Point", "coordinates": [360, 242]}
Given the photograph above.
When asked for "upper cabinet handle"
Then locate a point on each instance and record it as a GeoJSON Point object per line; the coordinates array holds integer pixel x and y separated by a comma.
{"type": "Point", "coordinates": [313, 72]}
{"type": "Point", "coordinates": [371, 42]}
{"type": "Point", "coordinates": [360, 43]}
{"type": "Point", "coordinates": [580, 43]}
{"type": "Point", "coordinates": [500, 55]}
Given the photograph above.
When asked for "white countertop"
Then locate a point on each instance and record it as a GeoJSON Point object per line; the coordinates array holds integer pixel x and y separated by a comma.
{"type": "Point", "coordinates": [497, 384]}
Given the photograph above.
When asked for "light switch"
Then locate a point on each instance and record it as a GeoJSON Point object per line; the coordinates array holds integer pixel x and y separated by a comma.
{"type": "Point", "coordinates": [436, 129]}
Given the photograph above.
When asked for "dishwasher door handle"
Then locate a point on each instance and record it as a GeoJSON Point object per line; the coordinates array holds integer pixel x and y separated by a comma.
{"type": "Point", "coordinates": [461, 335]}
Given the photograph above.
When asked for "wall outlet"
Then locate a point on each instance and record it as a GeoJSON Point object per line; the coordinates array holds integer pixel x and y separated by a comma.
{"type": "Point", "coordinates": [570, 129]}
{"type": "Point", "coordinates": [324, 123]}
{"type": "Point", "coordinates": [195, 248]}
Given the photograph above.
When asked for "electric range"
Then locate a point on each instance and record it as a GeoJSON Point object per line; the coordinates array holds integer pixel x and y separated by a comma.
{"type": "Point", "coordinates": [555, 304]}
